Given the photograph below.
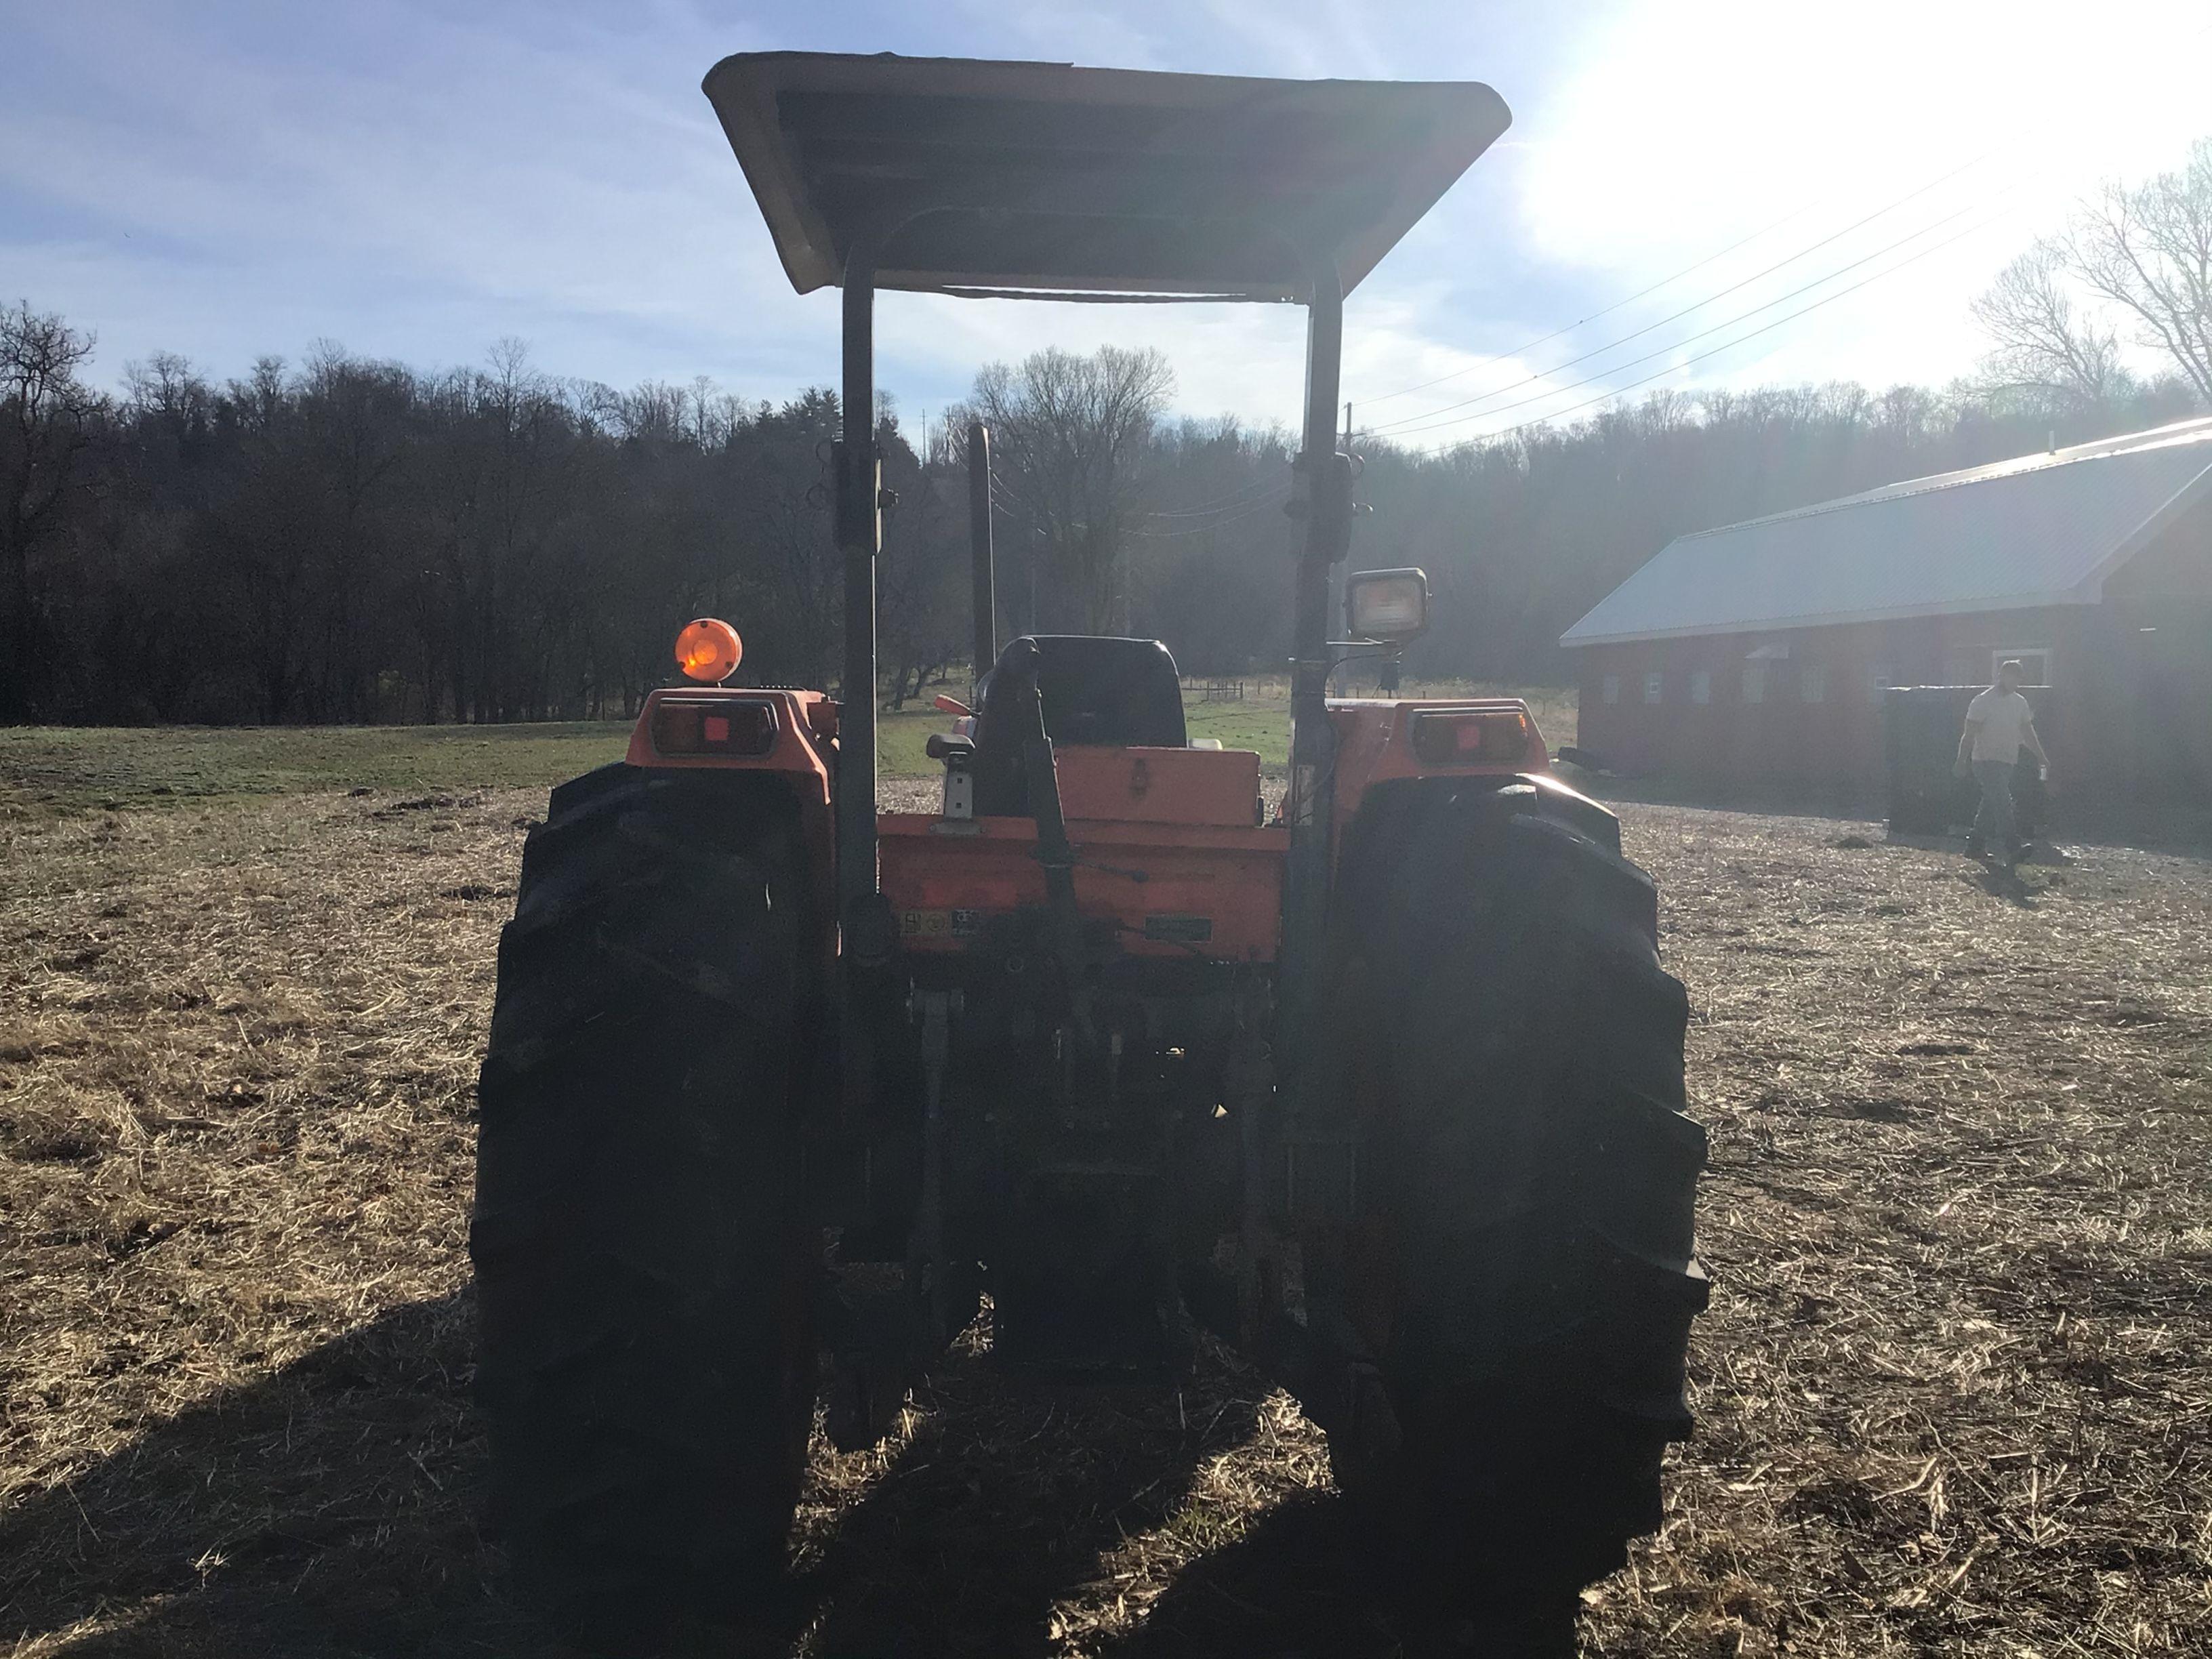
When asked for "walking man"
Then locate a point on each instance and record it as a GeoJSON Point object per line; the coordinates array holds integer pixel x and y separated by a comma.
{"type": "Point", "coordinates": [1998, 723]}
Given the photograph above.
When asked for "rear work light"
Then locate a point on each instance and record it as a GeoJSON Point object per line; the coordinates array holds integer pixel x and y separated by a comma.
{"type": "Point", "coordinates": [1387, 604]}
{"type": "Point", "coordinates": [714, 725]}
{"type": "Point", "coordinates": [1472, 736]}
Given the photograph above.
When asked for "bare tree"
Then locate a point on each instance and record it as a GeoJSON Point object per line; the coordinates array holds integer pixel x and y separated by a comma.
{"type": "Point", "coordinates": [654, 411]}
{"type": "Point", "coordinates": [47, 420]}
{"type": "Point", "coordinates": [1071, 434]}
{"type": "Point", "coordinates": [352, 540]}
{"type": "Point", "coordinates": [793, 565]}
{"type": "Point", "coordinates": [2149, 251]}
{"type": "Point", "coordinates": [921, 598]}
{"type": "Point", "coordinates": [2044, 342]}
{"type": "Point", "coordinates": [356, 417]}
{"type": "Point", "coordinates": [168, 390]}
{"type": "Point", "coordinates": [258, 402]}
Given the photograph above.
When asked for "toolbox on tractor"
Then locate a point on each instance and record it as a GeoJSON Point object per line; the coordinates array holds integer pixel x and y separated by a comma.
{"type": "Point", "coordinates": [1382, 1085]}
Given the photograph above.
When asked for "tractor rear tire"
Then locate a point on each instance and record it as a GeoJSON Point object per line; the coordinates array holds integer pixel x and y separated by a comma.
{"type": "Point", "coordinates": [1535, 1178]}
{"type": "Point", "coordinates": [645, 1273]}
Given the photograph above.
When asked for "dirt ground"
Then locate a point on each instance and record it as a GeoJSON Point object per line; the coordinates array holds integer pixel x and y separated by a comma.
{"type": "Point", "coordinates": [1953, 1386]}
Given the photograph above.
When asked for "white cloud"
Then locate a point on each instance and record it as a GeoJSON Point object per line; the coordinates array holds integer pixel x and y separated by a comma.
{"type": "Point", "coordinates": [419, 183]}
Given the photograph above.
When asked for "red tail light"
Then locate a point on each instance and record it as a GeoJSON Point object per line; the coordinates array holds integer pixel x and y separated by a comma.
{"type": "Point", "coordinates": [1472, 736]}
{"type": "Point", "coordinates": [714, 725]}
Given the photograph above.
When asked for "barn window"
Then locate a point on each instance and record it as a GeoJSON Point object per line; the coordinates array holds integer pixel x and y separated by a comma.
{"type": "Point", "coordinates": [1813, 682]}
{"type": "Point", "coordinates": [1655, 686]}
{"type": "Point", "coordinates": [1880, 679]}
{"type": "Point", "coordinates": [1754, 681]}
{"type": "Point", "coordinates": [2035, 662]}
{"type": "Point", "coordinates": [1701, 685]}
{"type": "Point", "coordinates": [1612, 688]}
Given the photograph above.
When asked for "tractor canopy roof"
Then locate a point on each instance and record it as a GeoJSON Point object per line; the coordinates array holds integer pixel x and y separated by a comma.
{"type": "Point", "coordinates": [985, 177]}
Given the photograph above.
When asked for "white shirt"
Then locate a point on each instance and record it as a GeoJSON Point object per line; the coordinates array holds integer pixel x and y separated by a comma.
{"type": "Point", "coordinates": [1999, 720]}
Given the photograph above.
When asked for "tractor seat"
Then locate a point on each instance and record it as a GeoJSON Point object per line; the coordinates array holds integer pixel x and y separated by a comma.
{"type": "Point", "coordinates": [1100, 692]}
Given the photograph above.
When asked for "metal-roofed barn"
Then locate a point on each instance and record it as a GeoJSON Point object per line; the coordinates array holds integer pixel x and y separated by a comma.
{"type": "Point", "coordinates": [1758, 652]}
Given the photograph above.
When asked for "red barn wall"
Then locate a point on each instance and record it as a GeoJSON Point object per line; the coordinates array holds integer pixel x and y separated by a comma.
{"type": "Point", "coordinates": [2149, 663]}
{"type": "Point", "coordinates": [2130, 713]}
{"type": "Point", "coordinates": [1835, 742]}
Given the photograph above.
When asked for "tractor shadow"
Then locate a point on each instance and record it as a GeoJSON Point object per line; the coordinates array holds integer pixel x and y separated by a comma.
{"type": "Point", "coordinates": [1303, 1583]}
{"type": "Point", "coordinates": [335, 1507]}
{"type": "Point", "coordinates": [1017, 1515]}
{"type": "Point", "coordinates": [1003, 1504]}
{"type": "Point", "coordinates": [330, 1508]}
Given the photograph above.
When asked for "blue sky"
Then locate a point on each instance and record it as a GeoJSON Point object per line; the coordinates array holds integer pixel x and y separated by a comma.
{"type": "Point", "coordinates": [419, 181]}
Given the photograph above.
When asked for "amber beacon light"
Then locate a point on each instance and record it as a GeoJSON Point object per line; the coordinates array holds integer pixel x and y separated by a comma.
{"type": "Point", "coordinates": [708, 651]}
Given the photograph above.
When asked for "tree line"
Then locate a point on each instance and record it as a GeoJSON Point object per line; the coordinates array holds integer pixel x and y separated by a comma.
{"type": "Point", "coordinates": [350, 540]}
{"type": "Point", "coordinates": [354, 541]}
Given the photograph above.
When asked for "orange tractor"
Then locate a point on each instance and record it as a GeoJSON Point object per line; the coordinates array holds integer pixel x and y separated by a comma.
{"type": "Point", "coordinates": [1384, 1087]}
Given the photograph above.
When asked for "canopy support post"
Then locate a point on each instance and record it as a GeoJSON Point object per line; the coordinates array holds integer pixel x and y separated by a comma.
{"type": "Point", "coordinates": [864, 930]}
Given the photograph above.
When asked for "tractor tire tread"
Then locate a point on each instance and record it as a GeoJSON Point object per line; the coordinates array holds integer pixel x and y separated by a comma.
{"type": "Point", "coordinates": [1539, 1172]}
{"type": "Point", "coordinates": [643, 1276]}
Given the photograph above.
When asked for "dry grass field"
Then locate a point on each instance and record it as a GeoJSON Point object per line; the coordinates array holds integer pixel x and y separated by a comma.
{"type": "Point", "coordinates": [1955, 1387]}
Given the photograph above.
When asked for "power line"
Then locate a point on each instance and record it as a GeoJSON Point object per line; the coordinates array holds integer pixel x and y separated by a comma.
{"type": "Point", "coordinates": [1675, 345]}
{"type": "Point", "coordinates": [1257, 507]}
{"type": "Point", "coordinates": [2188, 40]}
{"type": "Point", "coordinates": [1657, 374]}
{"type": "Point", "coordinates": [1910, 195]}
{"type": "Point", "coordinates": [1581, 322]}
{"type": "Point", "coordinates": [1411, 421]}
{"type": "Point", "coordinates": [1221, 509]}
{"type": "Point", "coordinates": [1233, 498]}
{"type": "Point", "coordinates": [1262, 494]}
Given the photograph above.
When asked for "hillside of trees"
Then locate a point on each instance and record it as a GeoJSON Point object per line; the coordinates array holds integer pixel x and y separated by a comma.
{"type": "Point", "coordinates": [354, 541]}
{"type": "Point", "coordinates": [347, 540]}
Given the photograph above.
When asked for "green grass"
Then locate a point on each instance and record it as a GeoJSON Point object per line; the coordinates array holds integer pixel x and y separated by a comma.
{"type": "Point", "coordinates": [1260, 723]}
{"type": "Point", "coordinates": [48, 769]}
{"type": "Point", "coordinates": [900, 737]}
{"type": "Point", "coordinates": [75, 768]}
